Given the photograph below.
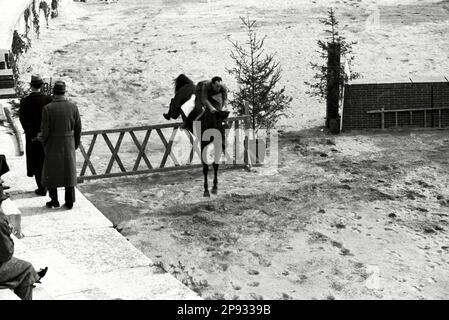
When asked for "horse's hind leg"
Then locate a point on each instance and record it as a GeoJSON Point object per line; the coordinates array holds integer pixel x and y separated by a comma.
{"type": "Point", "coordinates": [215, 187]}
{"type": "Point", "coordinates": [206, 187]}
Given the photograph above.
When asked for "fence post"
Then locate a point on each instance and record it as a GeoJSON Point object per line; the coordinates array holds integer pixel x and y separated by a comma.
{"type": "Point", "coordinates": [247, 127]}
{"type": "Point", "coordinates": [17, 135]}
{"type": "Point", "coordinates": [432, 107]}
{"type": "Point", "coordinates": [333, 87]}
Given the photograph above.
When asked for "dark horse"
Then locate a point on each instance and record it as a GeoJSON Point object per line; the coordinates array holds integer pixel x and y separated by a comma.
{"type": "Point", "coordinates": [181, 103]}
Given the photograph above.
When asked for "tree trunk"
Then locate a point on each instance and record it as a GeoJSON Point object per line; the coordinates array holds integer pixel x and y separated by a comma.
{"type": "Point", "coordinates": [333, 83]}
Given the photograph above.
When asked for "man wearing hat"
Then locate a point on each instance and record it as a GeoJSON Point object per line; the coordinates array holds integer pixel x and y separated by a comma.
{"type": "Point", "coordinates": [60, 134]}
{"type": "Point", "coordinates": [30, 114]}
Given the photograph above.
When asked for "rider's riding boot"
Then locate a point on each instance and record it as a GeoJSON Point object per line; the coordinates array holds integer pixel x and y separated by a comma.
{"type": "Point", "coordinates": [166, 116]}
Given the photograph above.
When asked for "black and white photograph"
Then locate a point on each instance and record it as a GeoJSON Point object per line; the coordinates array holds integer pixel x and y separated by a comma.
{"type": "Point", "coordinates": [224, 150]}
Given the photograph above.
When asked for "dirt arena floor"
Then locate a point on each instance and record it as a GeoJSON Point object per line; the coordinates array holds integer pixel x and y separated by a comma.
{"type": "Point", "coordinates": [357, 216]}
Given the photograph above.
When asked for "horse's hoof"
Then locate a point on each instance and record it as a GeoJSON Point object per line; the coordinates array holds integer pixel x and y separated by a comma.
{"type": "Point", "coordinates": [206, 194]}
{"type": "Point", "coordinates": [214, 190]}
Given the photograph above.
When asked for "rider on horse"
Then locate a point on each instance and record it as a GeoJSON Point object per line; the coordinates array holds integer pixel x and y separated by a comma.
{"type": "Point", "coordinates": [209, 94]}
{"type": "Point", "coordinates": [212, 95]}
{"type": "Point", "coordinates": [211, 98]}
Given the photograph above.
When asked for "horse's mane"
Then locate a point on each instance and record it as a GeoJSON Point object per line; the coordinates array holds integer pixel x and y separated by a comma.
{"type": "Point", "coordinates": [181, 80]}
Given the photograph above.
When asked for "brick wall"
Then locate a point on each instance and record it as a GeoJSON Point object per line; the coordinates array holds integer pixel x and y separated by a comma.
{"type": "Point", "coordinates": [362, 97]}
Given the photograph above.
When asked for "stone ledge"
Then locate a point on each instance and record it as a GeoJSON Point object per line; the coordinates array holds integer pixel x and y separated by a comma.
{"type": "Point", "coordinates": [7, 93]}
{"type": "Point", "coordinates": [95, 250]}
{"type": "Point", "coordinates": [98, 264]}
{"type": "Point", "coordinates": [7, 294]}
{"type": "Point", "coordinates": [142, 283]}
{"type": "Point", "coordinates": [14, 216]}
{"type": "Point", "coordinates": [40, 220]}
{"type": "Point", "coordinates": [62, 278]}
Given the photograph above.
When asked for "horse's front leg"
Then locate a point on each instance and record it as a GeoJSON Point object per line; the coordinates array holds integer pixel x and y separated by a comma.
{"type": "Point", "coordinates": [206, 187]}
{"type": "Point", "coordinates": [215, 187]}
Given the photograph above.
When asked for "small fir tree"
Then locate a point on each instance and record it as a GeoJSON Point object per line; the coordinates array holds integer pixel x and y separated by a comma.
{"type": "Point", "coordinates": [257, 77]}
{"type": "Point", "coordinates": [318, 87]}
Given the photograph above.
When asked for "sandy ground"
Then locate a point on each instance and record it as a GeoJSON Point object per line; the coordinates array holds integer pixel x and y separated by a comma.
{"type": "Point", "coordinates": [353, 216]}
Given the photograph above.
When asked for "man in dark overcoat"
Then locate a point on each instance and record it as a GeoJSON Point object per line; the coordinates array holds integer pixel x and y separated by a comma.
{"type": "Point", "coordinates": [30, 114]}
{"type": "Point", "coordinates": [60, 134]}
{"type": "Point", "coordinates": [16, 274]}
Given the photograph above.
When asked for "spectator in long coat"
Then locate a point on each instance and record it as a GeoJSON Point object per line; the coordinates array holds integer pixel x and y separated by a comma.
{"type": "Point", "coordinates": [15, 274]}
{"type": "Point", "coordinates": [30, 114]}
{"type": "Point", "coordinates": [60, 134]}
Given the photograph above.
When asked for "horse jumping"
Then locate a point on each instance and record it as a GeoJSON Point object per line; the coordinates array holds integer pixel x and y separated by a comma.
{"type": "Point", "coordinates": [186, 95]}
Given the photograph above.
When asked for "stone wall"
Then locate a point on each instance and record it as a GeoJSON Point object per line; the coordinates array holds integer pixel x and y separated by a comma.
{"type": "Point", "coordinates": [363, 97]}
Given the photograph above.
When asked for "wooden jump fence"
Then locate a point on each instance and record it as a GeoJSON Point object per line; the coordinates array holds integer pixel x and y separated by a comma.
{"type": "Point", "coordinates": [240, 122]}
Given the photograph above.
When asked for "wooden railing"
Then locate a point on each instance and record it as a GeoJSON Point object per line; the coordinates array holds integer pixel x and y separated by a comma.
{"type": "Point", "coordinates": [86, 150]}
{"type": "Point", "coordinates": [382, 113]}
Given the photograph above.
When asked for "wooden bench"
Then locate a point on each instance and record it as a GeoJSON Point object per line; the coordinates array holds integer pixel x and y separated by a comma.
{"type": "Point", "coordinates": [383, 111]}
